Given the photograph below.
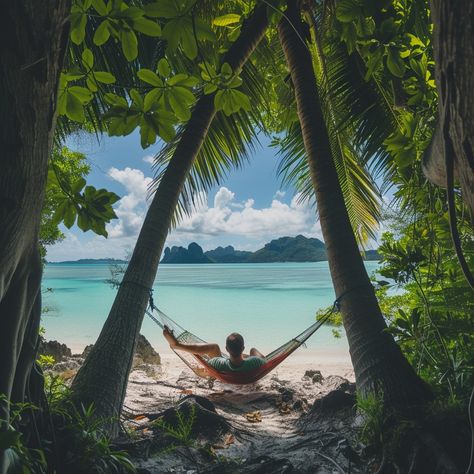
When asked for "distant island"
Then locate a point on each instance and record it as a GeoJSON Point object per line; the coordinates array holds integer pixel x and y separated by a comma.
{"type": "Point", "coordinates": [284, 249]}
{"type": "Point", "coordinates": [89, 261]}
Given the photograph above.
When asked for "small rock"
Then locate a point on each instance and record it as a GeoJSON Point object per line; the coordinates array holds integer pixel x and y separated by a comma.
{"type": "Point", "coordinates": [67, 365]}
{"type": "Point", "coordinates": [335, 382]}
{"type": "Point", "coordinates": [315, 375]}
{"type": "Point", "coordinates": [86, 350]}
{"type": "Point", "coordinates": [145, 351]}
{"type": "Point", "coordinates": [54, 348]}
{"type": "Point", "coordinates": [286, 394]}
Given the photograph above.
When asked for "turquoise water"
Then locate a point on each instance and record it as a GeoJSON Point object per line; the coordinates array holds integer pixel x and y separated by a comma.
{"type": "Point", "coordinates": [267, 303]}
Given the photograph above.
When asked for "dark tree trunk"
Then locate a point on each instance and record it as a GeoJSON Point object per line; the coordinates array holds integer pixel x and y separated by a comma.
{"type": "Point", "coordinates": [102, 380]}
{"type": "Point", "coordinates": [454, 57]}
{"type": "Point", "coordinates": [33, 37]}
{"type": "Point", "coordinates": [378, 362]}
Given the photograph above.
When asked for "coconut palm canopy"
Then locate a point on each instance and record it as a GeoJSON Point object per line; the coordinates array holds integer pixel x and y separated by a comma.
{"type": "Point", "coordinates": [345, 90]}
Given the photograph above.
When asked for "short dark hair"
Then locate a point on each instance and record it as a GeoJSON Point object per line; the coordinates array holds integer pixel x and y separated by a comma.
{"type": "Point", "coordinates": [235, 344]}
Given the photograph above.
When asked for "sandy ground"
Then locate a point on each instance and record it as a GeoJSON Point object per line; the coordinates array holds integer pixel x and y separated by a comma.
{"type": "Point", "coordinates": [268, 416]}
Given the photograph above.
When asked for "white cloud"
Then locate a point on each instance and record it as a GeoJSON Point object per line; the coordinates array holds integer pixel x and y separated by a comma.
{"type": "Point", "coordinates": [243, 219]}
{"type": "Point", "coordinates": [132, 207]}
{"type": "Point", "coordinates": [224, 221]}
{"type": "Point", "coordinates": [279, 194]}
{"type": "Point", "coordinates": [223, 197]}
{"type": "Point", "coordinates": [149, 159]}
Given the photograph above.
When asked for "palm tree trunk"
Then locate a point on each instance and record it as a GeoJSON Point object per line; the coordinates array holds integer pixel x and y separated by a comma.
{"type": "Point", "coordinates": [102, 380]}
{"type": "Point", "coordinates": [32, 46]}
{"type": "Point", "coordinates": [378, 362]}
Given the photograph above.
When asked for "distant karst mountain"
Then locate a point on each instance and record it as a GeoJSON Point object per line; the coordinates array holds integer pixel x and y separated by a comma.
{"type": "Point", "coordinates": [284, 249]}
{"type": "Point", "coordinates": [290, 249]}
{"type": "Point", "coordinates": [228, 255]}
{"type": "Point", "coordinates": [193, 254]}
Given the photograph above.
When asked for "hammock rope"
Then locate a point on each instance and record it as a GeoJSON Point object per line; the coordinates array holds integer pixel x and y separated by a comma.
{"type": "Point", "coordinates": [199, 365]}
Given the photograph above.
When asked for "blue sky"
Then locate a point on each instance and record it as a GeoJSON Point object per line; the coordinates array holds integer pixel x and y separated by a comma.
{"type": "Point", "coordinates": [247, 210]}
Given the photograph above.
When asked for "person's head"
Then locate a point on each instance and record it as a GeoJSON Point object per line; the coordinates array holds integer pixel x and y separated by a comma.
{"type": "Point", "coordinates": [234, 344]}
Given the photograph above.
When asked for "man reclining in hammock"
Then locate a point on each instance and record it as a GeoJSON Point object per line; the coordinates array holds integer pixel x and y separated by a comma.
{"type": "Point", "coordinates": [237, 360]}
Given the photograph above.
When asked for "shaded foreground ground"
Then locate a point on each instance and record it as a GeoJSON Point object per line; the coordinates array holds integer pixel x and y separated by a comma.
{"type": "Point", "coordinates": [295, 420]}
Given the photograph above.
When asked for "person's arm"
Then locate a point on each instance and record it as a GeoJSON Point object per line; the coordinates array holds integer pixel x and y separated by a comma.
{"type": "Point", "coordinates": [256, 353]}
{"type": "Point", "coordinates": [211, 350]}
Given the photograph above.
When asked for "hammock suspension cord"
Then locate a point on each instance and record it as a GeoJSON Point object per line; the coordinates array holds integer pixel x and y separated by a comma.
{"type": "Point", "coordinates": [199, 364]}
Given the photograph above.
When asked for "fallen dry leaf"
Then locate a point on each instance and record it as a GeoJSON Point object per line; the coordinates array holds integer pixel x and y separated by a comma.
{"type": "Point", "coordinates": [187, 391]}
{"type": "Point", "coordinates": [254, 417]}
{"type": "Point", "coordinates": [139, 417]}
{"type": "Point", "coordinates": [229, 439]}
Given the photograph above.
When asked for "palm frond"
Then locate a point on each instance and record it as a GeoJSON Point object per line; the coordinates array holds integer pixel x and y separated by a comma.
{"type": "Point", "coordinates": [227, 146]}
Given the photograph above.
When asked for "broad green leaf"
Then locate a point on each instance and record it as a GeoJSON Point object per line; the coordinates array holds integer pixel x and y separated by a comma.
{"type": "Point", "coordinates": [102, 33]}
{"type": "Point", "coordinates": [78, 185]}
{"type": "Point", "coordinates": [151, 98]}
{"type": "Point", "coordinates": [69, 215]}
{"type": "Point", "coordinates": [164, 68]}
{"type": "Point", "coordinates": [129, 44]}
{"type": "Point", "coordinates": [115, 100]}
{"type": "Point", "coordinates": [78, 27]}
{"type": "Point", "coordinates": [92, 84]}
{"type": "Point", "coordinates": [148, 76]}
{"type": "Point", "coordinates": [100, 7]}
{"type": "Point", "coordinates": [226, 70]}
{"type": "Point", "coordinates": [180, 100]}
{"type": "Point", "coordinates": [161, 9]}
{"type": "Point", "coordinates": [226, 20]}
{"type": "Point", "coordinates": [74, 108]}
{"type": "Point", "coordinates": [147, 135]}
{"type": "Point", "coordinates": [137, 98]}
{"type": "Point", "coordinates": [395, 63]}
{"type": "Point", "coordinates": [81, 93]}
{"type": "Point", "coordinates": [104, 77]}
{"type": "Point", "coordinates": [209, 88]}
{"type": "Point", "coordinates": [203, 30]}
{"type": "Point", "coordinates": [147, 27]}
{"type": "Point", "coordinates": [87, 58]}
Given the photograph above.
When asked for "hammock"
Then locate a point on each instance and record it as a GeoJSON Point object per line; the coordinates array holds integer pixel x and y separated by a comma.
{"type": "Point", "coordinates": [200, 366]}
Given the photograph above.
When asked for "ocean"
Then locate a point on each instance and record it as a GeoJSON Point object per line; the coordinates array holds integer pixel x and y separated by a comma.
{"type": "Point", "coordinates": [267, 303]}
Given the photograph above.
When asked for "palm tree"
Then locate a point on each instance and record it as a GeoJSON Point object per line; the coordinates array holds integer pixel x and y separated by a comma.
{"type": "Point", "coordinates": [378, 362]}
{"type": "Point", "coordinates": [102, 380]}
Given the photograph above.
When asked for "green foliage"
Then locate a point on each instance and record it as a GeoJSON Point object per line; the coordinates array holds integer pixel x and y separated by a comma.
{"type": "Point", "coordinates": [71, 166]}
{"type": "Point", "coordinates": [45, 361]}
{"type": "Point", "coordinates": [394, 41]}
{"type": "Point", "coordinates": [182, 431]}
{"type": "Point", "coordinates": [70, 198]}
{"type": "Point", "coordinates": [371, 407]}
{"type": "Point", "coordinates": [88, 446]}
{"type": "Point", "coordinates": [97, 90]}
{"type": "Point", "coordinates": [19, 458]}
{"type": "Point", "coordinates": [428, 304]}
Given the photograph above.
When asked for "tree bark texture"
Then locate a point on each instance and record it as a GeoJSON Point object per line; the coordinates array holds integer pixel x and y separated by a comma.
{"type": "Point", "coordinates": [454, 58]}
{"type": "Point", "coordinates": [378, 362]}
{"type": "Point", "coordinates": [33, 37]}
{"type": "Point", "coordinates": [102, 380]}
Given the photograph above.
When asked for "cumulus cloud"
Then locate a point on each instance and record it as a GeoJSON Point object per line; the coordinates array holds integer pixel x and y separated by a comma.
{"type": "Point", "coordinates": [132, 207]}
{"type": "Point", "coordinates": [243, 219]}
{"type": "Point", "coordinates": [221, 221]}
{"type": "Point", "coordinates": [149, 159]}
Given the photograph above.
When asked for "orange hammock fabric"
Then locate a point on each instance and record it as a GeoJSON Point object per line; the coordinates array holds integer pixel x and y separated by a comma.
{"type": "Point", "coordinates": [201, 368]}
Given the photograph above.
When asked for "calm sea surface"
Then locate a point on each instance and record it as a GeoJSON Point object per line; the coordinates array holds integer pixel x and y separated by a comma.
{"type": "Point", "coordinates": [267, 303]}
